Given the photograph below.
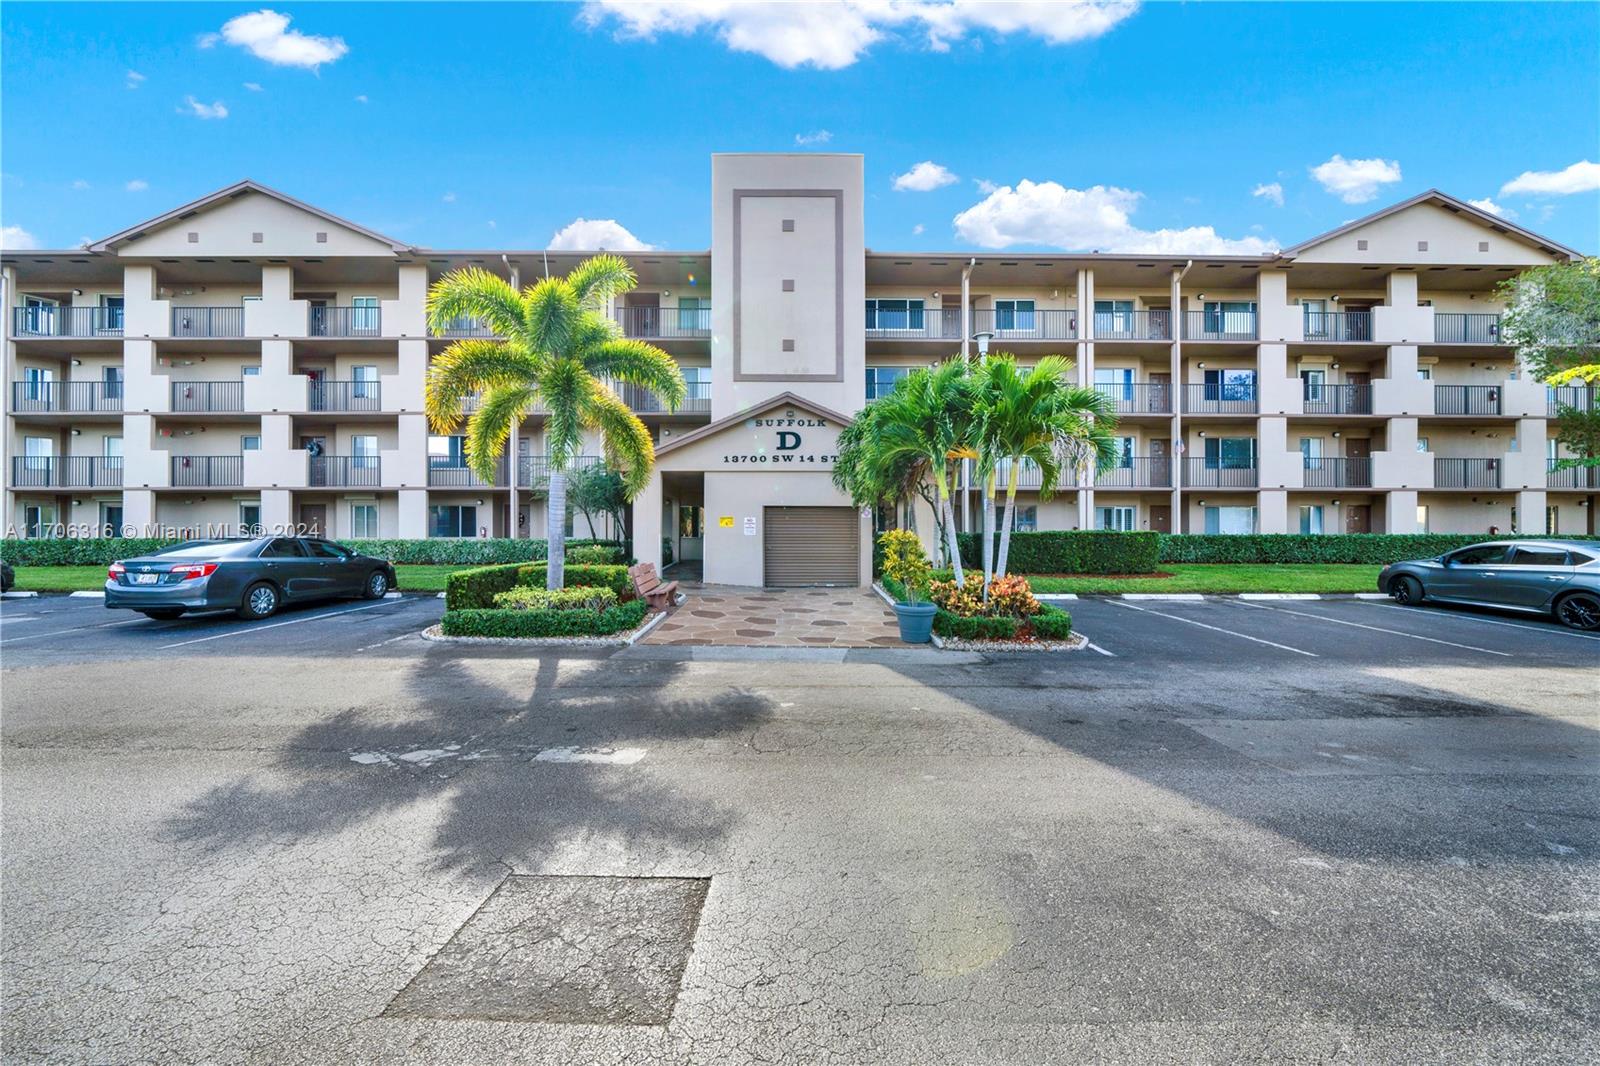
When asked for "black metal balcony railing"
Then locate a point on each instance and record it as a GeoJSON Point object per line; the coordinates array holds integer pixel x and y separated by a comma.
{"type": "Point", "coordinates": [944, 324]}
{"type": "Point", "coordinates": [665, 323]}
{"type": "Point", "coordinates": [697, 400]}
{"type": "Point", "coordinates": [1338, 400]}
{"type": "Point", "coordinates": [1153, 325]}
{"type": "Point", "coordinates": [344, 322]}
{"type": "Point", "coordinates": [465, 327]}
{"type": "Point", "coordinates": [66, 471]}
{"type": "Point", "coordinates": [1138, 398]}
{"type": "Point", "coordinates": [1338, 326]}
{"type": "Point", "coordinates": [208, 321]}
{"type": "Point", "coordinates": [448, 473]}
{"type": "Point", "coordinates": [207, 471]}
{"type": "Point", "coordinates": [1220, 398]}
{"type": "Point", "coordinates": [82, 322]}
{"type": "Point", "coordinates": [1212, 474]}
{"type": "Point", "coordinates": [77, 397]}
{"type": "Point", "coordinates": [1572, 477]}
{"type": "Point", "coordinates": [1466, 473]}
{"type": "Point", "coordinates": [1452, 328]}
{"type": "Point", "coordinates": [208, 396]}
{"type": "Point", "coordinates": [1137, 472]}
{"type": "Point", "coordinates": [1219, 326]}
{"type": "Point", "coordinates": [1467, 399]}
{"type": "Point", "coordinates": [344, 471]}
{"type": "Point", "coordinates": [533, 471]}
{"type": "Point", "coordinates": [343, 396]}
{"type": "Point", "coordinates": [1321, 473]}
{"type": "Point", "coordinates": [1578, 397]}
{"type": "Point", "coordinates": [1029, 476]}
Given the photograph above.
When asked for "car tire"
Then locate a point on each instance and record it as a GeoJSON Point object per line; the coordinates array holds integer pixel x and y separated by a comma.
{"type": "Point", "coordinates": [162, 614]}
{"type": "Point", "coordinates": [1579, 610]}
{"type": "Point", "coordinates": [377, 586]}
{"type": "Point", "coordinates": [1406, 591]}
{"type": "Point", "coordinates": [260, 601]}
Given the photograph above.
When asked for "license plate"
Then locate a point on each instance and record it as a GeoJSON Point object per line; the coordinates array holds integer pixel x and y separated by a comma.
{"type": "Point", "coordinates": [146, 579]}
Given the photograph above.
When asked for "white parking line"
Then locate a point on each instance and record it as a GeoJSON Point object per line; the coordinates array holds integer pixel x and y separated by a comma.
{"type": "Point", "coordinates": [1489, 621]}
{"type": "Point", "coordinates": [1092, 646]}
{"type": "Point", "coordinates": [1375, 629]}
{"type": "Point", "coordinates": [1218, 629]}
{"type": "Point", "coordinates": [273, 625]}
{"type": "Point", "coordinates": [74, 629]}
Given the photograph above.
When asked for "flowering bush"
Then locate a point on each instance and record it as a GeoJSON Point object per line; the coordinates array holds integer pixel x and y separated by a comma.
{"type": "Point", "coordinates": [572, 598]}
{"type": "Point", "coordinates": [1009, 597]}
{"type": "Point", "coordinates": [905, 563]}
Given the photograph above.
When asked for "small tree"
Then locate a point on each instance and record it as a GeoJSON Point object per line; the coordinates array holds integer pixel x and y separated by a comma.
{"type": "Point", "coordinates": [598, 490]}
{"type": "Point", "coordinates": [905, 562]}
{"type": "Point", "coordinates": [1552, 317]}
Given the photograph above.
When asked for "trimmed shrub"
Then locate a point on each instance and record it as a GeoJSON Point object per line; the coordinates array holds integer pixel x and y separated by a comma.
{"type": "Point", "coordinates": [477, 588]}
{"type": "Point", "coordinates": [594, 554]}
{"type": "Point", "coordinates": [77, 551]}
{"type": "Point", "coordinates": [1072, 551]}
{"type": "Point", "coordinates": [571, 598]}
{"type": "Point", "coordinates": [1052, 623]}
{"type": "Point", "coordinates": [583, 622]}
{"type": "Point", "coordinates": [610, 577]}
{"type": "Point", "coordinates": [103, 551]}
{"type": "Point", "coordinates": [1371, 548]}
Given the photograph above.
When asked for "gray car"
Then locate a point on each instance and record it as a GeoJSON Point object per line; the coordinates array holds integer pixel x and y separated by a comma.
{"type": "Point", "coordinates": [1551, 577]}
{"type": "Point", "coordinates": [252, 577]}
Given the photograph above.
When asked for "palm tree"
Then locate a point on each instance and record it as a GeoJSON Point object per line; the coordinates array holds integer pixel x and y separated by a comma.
{"type": "Point", "coordinates": [556, 349]}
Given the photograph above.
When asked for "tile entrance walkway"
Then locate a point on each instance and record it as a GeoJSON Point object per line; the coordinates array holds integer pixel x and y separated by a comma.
{"type": "Point", "coordinates": [784, 618]}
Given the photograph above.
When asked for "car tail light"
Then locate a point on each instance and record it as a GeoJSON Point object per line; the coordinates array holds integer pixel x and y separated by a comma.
{"type": "Point", "coordinates": [193, 570]}
{"type": "Point", "coordinates": [116, 570]}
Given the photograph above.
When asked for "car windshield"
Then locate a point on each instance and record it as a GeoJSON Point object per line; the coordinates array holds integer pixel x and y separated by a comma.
{"type": "Point", "coordinates": [206, 549]}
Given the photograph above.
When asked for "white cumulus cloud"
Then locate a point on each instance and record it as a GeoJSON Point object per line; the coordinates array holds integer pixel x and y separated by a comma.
{"type": "Point", "coordinates": [924, 177]}
{"type": "Point", "coordinates": [137, 185]}
{"type": "Point", "coordinates": [1093, 219]}
{"type": "Point", "coordinates": [361, 99]}
{"type": "Point", "coordinates": [135, 79]}
{"type": "Point", "coordinates": [253, 86]}
{"type": "Point", "coordinates": [1355, 181]}
{"type": "Point", "coordinates": [1488, 204]}
{"type": "Point", "coordinates": [266, 35]}
{"type": "Point", "coordinates": [831, 36]}
{"type": "Point", "coordinates": [814, 137]}
{"type": "Point", "coordinates": [194, 107]}
{"type": "Point", "coordinates": [917, 230]}
{"type": "Point", "coordinates": [1269, 191]}
{"type": "Point", "coordinates": [17, 239]}
{"type": "Point", "coordinates": [587, 234]}
{"type": "Point", "coordinates": [1579, 177]}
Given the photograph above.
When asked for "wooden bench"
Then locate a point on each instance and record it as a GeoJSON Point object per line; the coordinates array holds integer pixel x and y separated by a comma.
{"type": "Point", "coordinates": [648, 587]}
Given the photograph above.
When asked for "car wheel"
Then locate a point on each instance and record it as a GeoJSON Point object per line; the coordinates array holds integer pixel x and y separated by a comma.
{"type": "Point", "coordinates": [260, 600]}
{"type": "Point", "coordinates": [1406, 591]}
{"type": "Point", "coordinates": [1581, 610]}
{"type": "Point", "coordinates": [162, 614]}
{"type": "Point", "coordinates": [377, 586]}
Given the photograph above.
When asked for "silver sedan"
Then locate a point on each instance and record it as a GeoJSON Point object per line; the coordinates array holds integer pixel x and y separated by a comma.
{"type": "Point", "coordinates": [1550, 577]}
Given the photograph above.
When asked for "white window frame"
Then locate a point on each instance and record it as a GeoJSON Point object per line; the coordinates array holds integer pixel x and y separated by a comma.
{"type": "Point", "coordinates": [1311, 519]}
{"type": "Point", "coordinates": [357, 524]}
{"type": "Point", "coordinates": [1117, 518]}
{"type": "Point", "coordinates": [245, 523]}
{"type": "Point", "coordinates": [1422, 517]}
{"type": "Point", "coordinates": [249, 442]}
{"type": "Point", "coordinates": [1311, 452]}
{"type": "Point", "coordinates": [1023, 319]}
{"type": "Point", "coordinates": [364, 314]}
{"type": "Point", "coordinates": [364, 451]}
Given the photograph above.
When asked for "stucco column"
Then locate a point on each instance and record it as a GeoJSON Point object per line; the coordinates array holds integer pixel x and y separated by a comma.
{"type": "Point", "coordinates": [1272, 512]}
{"type": "Point", "coordinates": [277, 510]}
{"type": "Point", "coordinates": [1530, 511]}
{"type": "Point", "coordinates": [413, 514]}
{"type": "Point", "coordinates": [139, 511]}
{"type": "Point", "coordinates": [1175, 431]}
{"type": "Point", "coordinates": [1400, 512]}
{"type": "Point", "coordinates": [647, 522]}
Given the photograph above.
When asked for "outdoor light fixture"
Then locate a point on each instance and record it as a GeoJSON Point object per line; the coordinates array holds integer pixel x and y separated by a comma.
{"type": "Point", "coordinates": [1336, 502]}
{"type": "Point", "coordinates": [983, 337]}
{"type": "Point", "coordinates": [1202, 434]}
{"type": "Point", "coordinates": [1202, 503]}
{"type": "Point", "coordinates": [1201, 364]}
{"type": "Point", "coordinates": [1336, 434]}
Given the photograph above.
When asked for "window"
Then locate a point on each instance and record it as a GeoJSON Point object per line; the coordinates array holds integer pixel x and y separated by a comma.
{"type": "Point", "coordinates": [446, 452]}
{"type": "Point", "coordinates": [40, 519]}
{"type": "Point", "coordinates": [364, 314]}
{"type": "Point", "coordinates": [1312, 383]}
{"type": "Point", "coordinates": [1230, 519]}
{"type": "Point", "coordinates": [1230, 453]}
{"type": "Point", "coordinates": [364, 520]}
{"type": "Point", "coordinates": [1115, 382]}
{"type": "Point", "coordinates": [39, 314]}
{"type": "Point", "coordinates": [1230, 316]}
{"type": "Point", "coordinates": [1120, 519]}
{"type": "Point", "coordinates": [111, 378]}
{"type": "Point", "coordinates": [1013, 314]}
{"type": "Point", "coordinates": [1483, 555]}
{"type": "Point", "coordinates": [250, 371]}
{"type": "Point", "coordinates": [1539, 557]}
{"type": "Point", "coordinates": [1311, 452]}
{"type": "Point", "coordinates": [1311, 518]}
{"type": "Point", "coordinates": [1113, 318]}
{"type": "Point", "coordinates": [1425, 373]}
{"type": "Point", "coordinates": [37, 452]}
{"type": "Point", "coordinates": [881, 379]}
{"type": "Point", "coordinates": [250, 517]}
{"type": "Point", "coordinates": [318, 548]}
{"type": "Point", "coordinates": [894, 314]}
{"type": "Point", "coordinates": [250, 442]}
{"type": "Point", "coordinates": [1422, 444]}
{"type": "Point", "coordinates": [1125, 450]}
{"type": "Point", "coordinates": [365, 450]}
{"type": "Point", "coordinates": [283, 548]}
{"type": "Point", "coordinates": [1237, 384]}
{"type": "Point", "coordinates": [363, 382]}
{"type": "Point", "coordinates": [450, 520]}
{"type": "Point", "coordinates": [39, 381]}
{"type": "Point", "coordinates": [691, 520]}
{"type": "Point", "coordinates": [111, 519]}
{"type": "Point", "coordinates": [693, 313]}
{"type": "Point", "coordinates": [1422, 517]}
{"type": "Point", "coordinates": [111, 449]}
{"type": "Point", "coordinates": [1552, 522]}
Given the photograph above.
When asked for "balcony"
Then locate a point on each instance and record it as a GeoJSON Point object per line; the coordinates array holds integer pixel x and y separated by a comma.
{"type": "Point", "coordinates": [1337, 400]}
{"type": "Point", "coordinates": [1137, 472]}
{"type": "Point", "coordinates": [1451, 328]}
{"type": "Point", "coordinates": [67, 397]}
{"type": "Point", "coordinates": [665, 323]}
{"type": "Point", "coordinates": [1220, 398]}
{"type": "Point", "coordinates": [344, 471]}
{"type": "Point", "coordinates": [1219, 326]}
{"type": "Point", "coordinates": [1466, 473]}
{"type": "Point", "coordinates": [207, 471]}
{"type": "Point", "coordinates": [1133, 325]}
{"type": "Point", "coordinates": [352, 396]}
{"type": "Point", "coordinates": [1578, 397]}
{"type": "Point", "coordinates": [80, 322]}
{"type": "Point", "coordinates": [1137, 398]}
{"type": "Point", "coordinates": [1029, 476]}
{"type": "Point", "coordinates": [1572, 477]}
{"type": "Point", "coordinates": [452, 473]}
{"type": "Point", "coordinates": [697, 400]}
{"type": "Point", "coordinates": [944, 324]}
{"type": "Point", "coordinates": [1338, 326]}
{"type": "Point", "coordinates": [66, 472]}
{"type": "Point", "coordinates": [344, 322]}
{"type": "Point", "coordinates": [459, 328]}
{"type": "Point", "coordinates": [208, 321]}
{"type": "Point", "coordinates": [1467, 399]}
{"type": "Point", "coordinates": [1212, 474]}
{"type": "Point", "coordinates": [1338, 473]}
{"type": "Point", "coordinates": [533, 471]}
{"type": "Point", "coordinates": [203, 396]}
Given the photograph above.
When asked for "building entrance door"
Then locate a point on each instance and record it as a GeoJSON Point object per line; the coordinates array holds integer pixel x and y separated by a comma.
{"type": "Point", "coordinates": [313, 518]}
{"type": "Point", "coordinates": [811, 546]}
{"type": "Point", "coordinates": [1161, 517]}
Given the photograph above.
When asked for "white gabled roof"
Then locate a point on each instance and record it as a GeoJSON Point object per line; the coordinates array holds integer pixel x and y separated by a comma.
{"type": "Point", "coordinates": [1449, 203]}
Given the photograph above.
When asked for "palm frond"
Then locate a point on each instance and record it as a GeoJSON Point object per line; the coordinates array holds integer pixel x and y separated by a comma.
{"type": "Point", "coordinates": [467, 367]}
{"type": "Point", "coordinates": [638, 363]}
{"type": "Point", "coordinates": [599, 278]}
{"type": "Point", "coordinates": [490, 427]}
{"type": "Point", "coordinates": [474, 293]}
{"type": "Point", "coordinates": [625, 439]}
{"type": "Point", "coordinates": [551, 315]}
{"type": "Point", "coordinates": [564, 387]}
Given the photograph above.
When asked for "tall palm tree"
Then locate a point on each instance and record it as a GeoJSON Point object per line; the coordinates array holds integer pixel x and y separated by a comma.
{"type": "Point", "coordinates": [556, 349]}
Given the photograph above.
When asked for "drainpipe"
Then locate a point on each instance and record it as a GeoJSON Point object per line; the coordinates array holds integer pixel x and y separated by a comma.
{"type": "Point", "coordinates": [1178, 453]}
{"type": "Point", "coordinates": [966, 333]}
{"type": "Point", "coordinates": [513, 512]}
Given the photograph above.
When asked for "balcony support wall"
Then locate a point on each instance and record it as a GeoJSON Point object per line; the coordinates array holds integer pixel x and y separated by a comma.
{"type": "Point", "coordinates": [1399, 320]}
{"type": "Point", "coordinates": [277, 509]}
{"type": "Point", "coordinates": [1400, 511]}
{"type": "Point", "coordinates": [1272, 511]}
{"type": "Point", "coordinates": [1530, 511]}
{"type": "Point", "coordinates": [413, 512]}
{"type": "Point", "coordinates": [144, 461]}
{"type": "Point", "coordinates": [139, 510]}
{"type": "Point", "coordinates": [647, 523]}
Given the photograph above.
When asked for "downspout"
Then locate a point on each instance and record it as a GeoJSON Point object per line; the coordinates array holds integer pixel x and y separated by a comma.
{"type": "Point", "coordinates": [966, 334]}
{"type": "Point", "coordinates": [513, 460]}
{"type": "Point", "coordinates": [1178, 458]}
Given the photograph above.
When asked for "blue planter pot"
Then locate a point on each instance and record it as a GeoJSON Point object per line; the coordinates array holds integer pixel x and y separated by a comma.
{"type": "Point", "coordinates": [916, 621]}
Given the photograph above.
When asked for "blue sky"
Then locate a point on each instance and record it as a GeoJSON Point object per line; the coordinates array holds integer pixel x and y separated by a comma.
{"type": "Point", "coordinates": [1165, 126]}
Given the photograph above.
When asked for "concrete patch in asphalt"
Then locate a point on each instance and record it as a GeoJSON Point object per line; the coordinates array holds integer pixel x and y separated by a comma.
{"type": "Point", "coordinates": [604, 756]}
{"type": "Point", "coordinates": [579, 950]}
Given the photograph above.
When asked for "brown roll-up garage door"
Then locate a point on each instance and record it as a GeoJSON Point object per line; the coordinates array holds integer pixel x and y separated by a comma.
{"type": "Point", "coordinates": [812, 546]}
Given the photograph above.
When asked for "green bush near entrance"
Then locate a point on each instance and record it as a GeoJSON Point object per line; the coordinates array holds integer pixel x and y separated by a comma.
{"type": "Point", "coordinates": [476, 589]}
{"type": "Point", "coordinates": [1073, 551]}
{"type": "Point", "coordinates": [1379, 548]}
{"type": "Point", "coordinates": [511, 622]}
{"type": "Point", "coordinates": [1051, 623]}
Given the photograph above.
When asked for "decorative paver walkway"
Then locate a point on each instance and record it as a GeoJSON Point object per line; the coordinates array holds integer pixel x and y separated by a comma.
{"type": "Point", "coordinates": [786, 618]}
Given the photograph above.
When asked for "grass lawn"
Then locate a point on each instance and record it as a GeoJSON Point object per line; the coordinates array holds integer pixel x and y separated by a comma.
{"type": "Point", "coordinates": [1225, 577]}
{"type": "Point", "coordinates": [93, 578]}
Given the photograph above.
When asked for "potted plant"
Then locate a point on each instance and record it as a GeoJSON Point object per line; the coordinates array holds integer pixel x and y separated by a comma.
{"type": "Point", "coordinates": [906, 564]}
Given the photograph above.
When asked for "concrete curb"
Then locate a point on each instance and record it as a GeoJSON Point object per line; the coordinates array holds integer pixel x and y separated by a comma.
{"type": "Point", "coordinates": [1193, 596]}
{"type": "Point", "coordinates": [541, 643]}
{"type": "Point", "coordinates": [18, 595]}
{"type": "Point", "coordinates": [88, 595]}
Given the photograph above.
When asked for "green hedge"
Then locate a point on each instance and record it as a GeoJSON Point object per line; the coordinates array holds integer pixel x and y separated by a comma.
{"type": "Point", "coordinates": [1073, 551]}
{"type": "Point", "coordinates": [102, 551]}
{"type": "Point", "coordinates": [518, 623]}
{"type": "Point", "coordinates": [610, 577]}
{"type": "Point", "coordinates": [1379, 548]}
{"type": "Point", "coordinates": [1052, 623]}
{"type": "Point", "coordinates": [476, 589]}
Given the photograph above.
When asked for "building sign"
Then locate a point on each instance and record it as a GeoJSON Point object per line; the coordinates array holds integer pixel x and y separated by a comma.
{"type": "Point", "coordinates": [791, 440]}
{"type": "Point", "coordinates": [750, 525]}
{"type": "Point", "coordinates": [726, 521]}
